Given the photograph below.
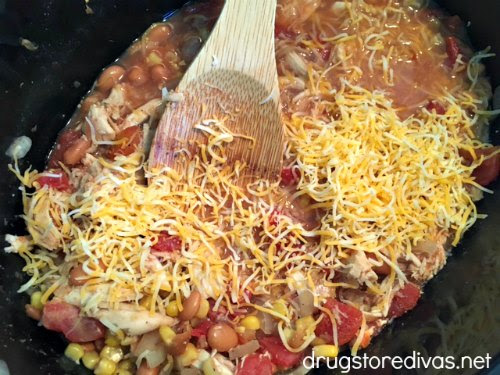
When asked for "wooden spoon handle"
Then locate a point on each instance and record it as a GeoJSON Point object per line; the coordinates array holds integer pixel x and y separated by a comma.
{"type": "Point", "coordinates": [233, 44]}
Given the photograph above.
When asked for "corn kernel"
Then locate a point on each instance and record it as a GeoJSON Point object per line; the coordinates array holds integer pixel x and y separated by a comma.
{"type": "Point", "coordinates": [167, 334]}
{"type": "Point", "coordinates": [330, 351]}
{"type": "Point", "coordinates": [128, 340]}
{"type": "Point", "coordinates": [120, 334]}
{"type": "Point", "coordinates": [304, 323]}
{"type": "Point", "coordinates": [189, 356]}
{"type": "Point", "coordinates": [153, 58]}
{"type": "Point", "coordinates": [113, 354]}
{"type": "Point", "coordinates": [74, 352]}
{"type": "Point", "coordinates": [251, 322]}
{"type": "Point", "coordinates": [105, 367]}
{"type": "Point", "coordinates": [240, 330]}
{"type": "Point", "coordinates": [112, 340]}
{"type": "Point", "coordinates": [289, 333]}
{"type": "Point", "coordinates": [36, 300]}
{"type": "Point", "coordinates": [90, 360]}
{"type": "Point", "coordinates": [203, 309]}
{"type": "Point", "coordinates": [172, 309]}
{"type": "Point", "coordinates": [280, 307]}
{"type": "Point", "coordinates": [208, 367]}
{"type": "Point", "coordinates": [126, 364]}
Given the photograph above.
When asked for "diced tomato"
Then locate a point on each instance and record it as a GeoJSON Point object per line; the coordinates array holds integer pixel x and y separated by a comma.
{"type": "Point", "coordinates": [255, 364]}
{"type": "Point", "coordinates": [452, 49]}
{"type": "Point", "coordinates": [129, 138]}
{"type": "Point", "coordinates": [404, 300]}
{"type": "Point", "coordinates": [347, 326]}
{"type": "Point", "coordinates": [488, 170]}
{"type": "Point", "coordinates": [280, 355]}
{"type": "Point", "coordinates": [289, 177]}
{"type": "Point", "coordinates": [273, 218]}
{"type": "Point", "coordinates": [202, 328]}
{"type": "Point", "coordinates": [435, 106]}
{"type": "Point", "coordinates": [57, 179]}
{"type": "Point", "coordinates": [59, 316]}
{"type": "Point", "coordinates": [85, 330]}
{"type": "Point", "coordinates": [65, 141]}
{"type": "Point", "coordinates": [62, 317]}
{"type": "Point", "coordinates": [167, 243]}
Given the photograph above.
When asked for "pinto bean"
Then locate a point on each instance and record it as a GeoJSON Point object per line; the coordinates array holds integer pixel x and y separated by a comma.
{"type": "Point", "coordinates": [110, 77]}
{"type": "Point", "coordinates": [222, 337]}
{"type": "Point", "coordinates": [159, 33]}
{"type": "Point", "coordinates": [90, 100]}
{"type": "Point", "coordinates": [190, 306]}
{"type": "Point", "coordinates": [74, 154]}
{"type": "Point", "coordinates": [159, 73]}
{"type": "Point", "coordinates": [76, 276]}
{"type": "Point", "coordinates": [180, 341]}
{"type": "Point", "coordinates": [137, 76]}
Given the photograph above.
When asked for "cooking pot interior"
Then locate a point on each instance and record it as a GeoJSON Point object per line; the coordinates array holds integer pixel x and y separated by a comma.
{"type": "Point", "coordinates": [40, 89]}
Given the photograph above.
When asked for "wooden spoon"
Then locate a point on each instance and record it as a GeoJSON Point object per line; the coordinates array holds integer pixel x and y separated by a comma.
{"type": "Point", "coordinates": [233, 78]}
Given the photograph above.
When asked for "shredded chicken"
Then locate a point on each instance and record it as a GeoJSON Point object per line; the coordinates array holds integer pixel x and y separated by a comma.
{"type": "Point", "coordinates": [105, 116]}
{"type": "Point", "coordinates": [359, 268]}
{"type": "Point", "coordinates": [134, 321]}
{"type": "Point", "coordinates": [44, 219]}
{"type": "Point", "coordinates": [141, 114]}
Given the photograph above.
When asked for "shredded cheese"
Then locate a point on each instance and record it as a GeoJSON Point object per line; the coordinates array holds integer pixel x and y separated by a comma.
{"type": "Point", "coordinates": [378, 180]}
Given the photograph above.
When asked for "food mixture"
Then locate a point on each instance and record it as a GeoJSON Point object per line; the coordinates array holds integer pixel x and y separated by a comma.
{"type": "Point", "coordinates": [385, 109]}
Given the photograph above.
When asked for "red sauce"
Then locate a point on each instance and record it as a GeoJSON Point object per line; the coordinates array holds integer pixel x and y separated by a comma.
{"type": "Point", "coordinates": [422, 67]}
{"type": "Point", "coordinates": [154, 62]}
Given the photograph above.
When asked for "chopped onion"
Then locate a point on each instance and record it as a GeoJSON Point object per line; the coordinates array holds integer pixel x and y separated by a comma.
{"type": "Point", "coordinates": [171, 96]}
{"type": "Point", "coordinates": [306, 303]}
{"type": "Point", "coordinates": [244, 349]}
{"type": "Point", "coordinates": [268, 323]}
{"type": "Point", "coordinates": [168, 367]}
{"type": "Point", "coordinates": [19, 147]}
{"type": "Point", "coordinates": [28, 44]}
{"type": "Point", "coordinates": [150, 348]}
